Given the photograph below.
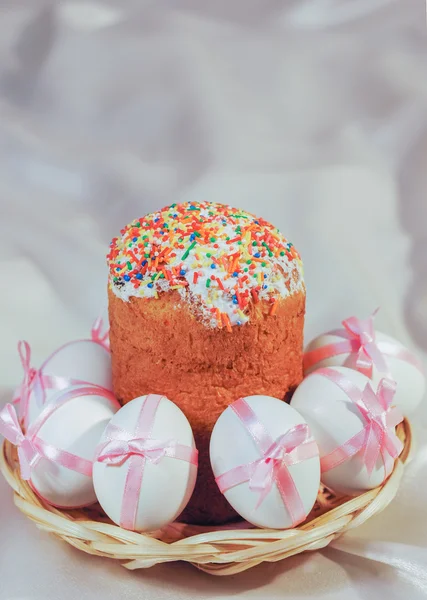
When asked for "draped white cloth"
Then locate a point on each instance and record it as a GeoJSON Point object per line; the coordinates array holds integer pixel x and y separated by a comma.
{"type": "Point", "coordinates": [311, 113]}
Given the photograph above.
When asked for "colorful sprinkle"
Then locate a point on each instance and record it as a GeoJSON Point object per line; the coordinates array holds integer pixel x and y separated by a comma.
{"type": "Point", "coordinates": [155, 253]}
{"type": "Point", "coordinates": [273, 308]}
{"type": "Point", "coordinates": [226, 321]}
{"type": "Point", "coordinates": [187, 252]}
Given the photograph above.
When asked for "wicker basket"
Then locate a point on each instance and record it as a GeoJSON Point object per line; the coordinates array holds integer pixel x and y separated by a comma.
{"type": "Point", "coordinates": [220, 551]}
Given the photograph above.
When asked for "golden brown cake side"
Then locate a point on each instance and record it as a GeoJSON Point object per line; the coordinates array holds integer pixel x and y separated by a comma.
{"type": "Point", "coordinates": [159, 346]}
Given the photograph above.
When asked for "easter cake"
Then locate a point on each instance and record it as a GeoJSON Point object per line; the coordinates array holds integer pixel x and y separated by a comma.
{"type": "Point", "coordinates": [206, 305]}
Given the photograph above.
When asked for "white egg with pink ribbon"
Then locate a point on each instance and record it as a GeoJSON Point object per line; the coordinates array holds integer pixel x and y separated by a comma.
{"type": "Point", "coordinates": [81, 362]}
{"type": "Point", "coordinates": [266, 462]}
{"type": "Point", "coordinates": [357, 345]}
{"type": "Point", "coordinates": [354, 425]}
{"type": "Point", "coordinates": [56, 451]}
{"type": "Point", "coordinates": [145, 465]}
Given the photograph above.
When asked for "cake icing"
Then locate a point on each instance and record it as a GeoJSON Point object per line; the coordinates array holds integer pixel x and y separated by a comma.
{"type": "Point", "coordinates": [220, 260]}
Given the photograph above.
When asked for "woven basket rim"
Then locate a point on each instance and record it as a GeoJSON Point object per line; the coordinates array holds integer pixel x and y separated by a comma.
{"type": "Point", "coordinates": [216, 550]}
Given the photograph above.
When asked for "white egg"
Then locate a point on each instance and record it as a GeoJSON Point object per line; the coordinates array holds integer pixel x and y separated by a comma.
{"type": "Point", "coordinates": [334, 419]}
{"type": "Point", "coordinates": [83, 361]}
{"type": "Point", "coordinates": [411, 381]}
{"type": "Point", "coordinates": [231, 446]}
{"type": "Point", "coordinates": [165, 486]}
{"type": "Point", "coordinates": [75, 427]}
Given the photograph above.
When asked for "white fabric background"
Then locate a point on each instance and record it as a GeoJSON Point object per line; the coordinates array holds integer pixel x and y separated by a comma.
{"type": "Point", "coordinates": [309, 112]}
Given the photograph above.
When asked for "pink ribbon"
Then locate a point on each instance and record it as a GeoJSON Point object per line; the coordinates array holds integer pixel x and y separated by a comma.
{"type": "Point", "coordinates": [100, 334]}
{"type": "Point", "coordinates": [35, 381]}
{"type": "Point", "coordinates": [359, 339]}
{"type": "Point", "coordinates": [293, 447]}
{"type": "Point", "coordinates": [31, 448]}
{"type": "Point", "coordinates": [378, 437]}
{"type": "Point", "coordinates": [135, 449]}
{"type": "Point", "coordinates": [28, 454]}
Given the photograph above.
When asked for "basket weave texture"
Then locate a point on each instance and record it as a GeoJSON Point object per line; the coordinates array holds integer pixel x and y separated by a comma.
{"type": "Point", "coordinates": [219, 551]}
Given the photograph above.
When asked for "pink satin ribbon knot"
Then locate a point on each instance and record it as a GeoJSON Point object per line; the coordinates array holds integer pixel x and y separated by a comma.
{"type": "Point", "coordinates": [368, 354]}
{"type": "Point", "coordinates": [33, 381]}
{"type": "Point", "coordinates": [136, 448]}
{"type": "Point", "coordinates": [381, 419]}
{"type": "Point", "coordinates": [359, 338]}
{"type": "Point", "coordinates": [378, 437]}
{"type": "Point", "coordinates": [291, 448]}
{"type": "Point", "coordinates": [123, 445]}
{"type": "Point", "coordinates": [28, 454]}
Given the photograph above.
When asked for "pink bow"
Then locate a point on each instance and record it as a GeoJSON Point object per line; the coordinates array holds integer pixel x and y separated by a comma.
{"type": "Point", "coordinates": [378, 437]}
{"type": "Point", "coordinates": [368, 353]}
{"type": "Point", "coordinates": [33, 381]}
{"type": "Point", "coordinates": [291, 448]}
{"type": "Point", "coordinates": [122, 446]}
{"type": "Point", "coordinates": [287, 450]}
{"type": "Point", "coordinates": [359, 339]}
{"type": "Point", "coordinates": [135, 449]}
{"type": "Point", "coordinates": [99, 335]}
{"type": "Point", "coordinates": [28, 454]}
{"type": "Point", "coordinates": [381, 419]}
